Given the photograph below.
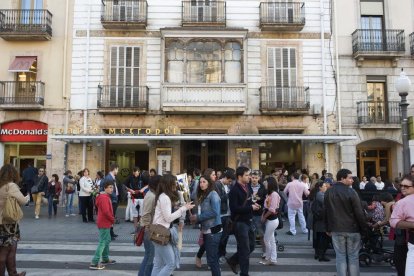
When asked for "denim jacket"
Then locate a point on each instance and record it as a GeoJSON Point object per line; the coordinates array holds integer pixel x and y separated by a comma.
{"type": "Point", "coordinates": [210, 211]}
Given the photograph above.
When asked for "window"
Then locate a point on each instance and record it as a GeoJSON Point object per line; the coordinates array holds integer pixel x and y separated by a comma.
{"type": "Point", "coordinates": [31, 11]}
{"type": "Point", "coordinates": [281, 67]}
{"type": "Point", "coordinates": [376, 97]}
{"type": "Point", "coordinates": [206, 61]}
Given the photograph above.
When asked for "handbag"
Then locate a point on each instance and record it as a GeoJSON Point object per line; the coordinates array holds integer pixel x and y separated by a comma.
{"type": "Point", "coordinates": [159, 234]}
{"type": "Point", "coordinates": [12, 212]}
{"type": "Point", "coordinates": [34, 189]}
{"type": "Point", "coordinates": [69, 188]}
{"type": "Point", "coordinates": [139, 236]}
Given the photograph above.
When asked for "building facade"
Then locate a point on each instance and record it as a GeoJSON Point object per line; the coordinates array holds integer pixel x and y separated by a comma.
{"type": "Point", "coordinates": [374, 42]}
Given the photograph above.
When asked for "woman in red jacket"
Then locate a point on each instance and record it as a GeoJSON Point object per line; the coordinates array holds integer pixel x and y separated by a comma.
{"type": "Point", "coordinates": [54, 188]}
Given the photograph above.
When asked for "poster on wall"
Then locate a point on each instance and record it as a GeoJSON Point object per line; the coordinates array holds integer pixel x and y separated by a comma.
{"type": "Point", "coordinates": [164, 160]}
{"type": "Point", "coordinates": [244, 157]}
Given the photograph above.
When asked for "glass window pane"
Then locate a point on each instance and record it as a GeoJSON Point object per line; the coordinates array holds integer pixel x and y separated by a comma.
{"type": "Point", "coordinates": [195, 72]}
{"type": "Point", "coordinates": [213, 72]}
{"type": "Point", "coordinates": [128, 56]}
{"type": "Point", "coordinates": [175, 71]}
{"type": "Point", "coordinates": [232, 73]}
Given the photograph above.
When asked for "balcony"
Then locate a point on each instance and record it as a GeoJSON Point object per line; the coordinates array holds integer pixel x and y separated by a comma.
{"type": "Point", "coordinates": [374, 114]}
{"type": "Point", "coordinates": [284, 100]}
{"type": "Point", "coordinates": [25, 25]}
{"type": "Point", "coordinates": [204, 13]}
{"type": "Point", "coordinates": [204, 98]}
{"type": "Point", "coordinates": [126, 14]}
{"type": "Point", "coordinates": [123, 99]}
{"type": "Point", "coordinates": [378, 44]}
{"type": "Point", "coordinates": [282, 16]}
{"type": "Point", "coordinates": [412, 44]}
{"type": "Point", "coordinates": [22, 95]}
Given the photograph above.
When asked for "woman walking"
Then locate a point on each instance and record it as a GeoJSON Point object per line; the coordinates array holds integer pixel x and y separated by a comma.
{"type": "Point", "coordinates": [53, 191]}
{"type": "Point", "coordinates": [166, 197]}
{"type": "Point", "coordinates": [209, 217]}
{"type": "Point", "coordinates": [10, 233]}
{"type": "Point", "coordinates": [269, 218]}
{"type": "Point", "coordinates": [85, 197]}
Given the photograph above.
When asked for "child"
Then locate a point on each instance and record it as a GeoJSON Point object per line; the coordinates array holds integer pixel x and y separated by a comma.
{"type": "Point", "coordinates": [105, 221]}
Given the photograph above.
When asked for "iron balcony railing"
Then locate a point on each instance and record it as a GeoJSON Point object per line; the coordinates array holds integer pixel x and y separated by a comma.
{"type": "Point", "coordinates": [22, 93]}
{"type": "Point", "coordinates": [203, 12]}
{"type": "Point", "coordinates": [275, 98]}
{"type": "Point", "coordinates": [124, 11]}
{"type": "Point", "coordinates": [377, 112]}
{"type": "Point", "coordinates": [369, 40]}
{"type": "Point", "coordinates": [412, 43]}
{"type": "Point", "coordinates": [282, 13]}
{"type": "Point", "coordinates": [25, 22]}
{"type": "Point", "coordinates": [110, 96]}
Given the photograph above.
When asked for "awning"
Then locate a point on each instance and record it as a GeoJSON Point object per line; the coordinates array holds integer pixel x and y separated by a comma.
{"type": "Point", "coordinates": [22, 64]}
{"type": "Point", "coordinates": [329, 139]}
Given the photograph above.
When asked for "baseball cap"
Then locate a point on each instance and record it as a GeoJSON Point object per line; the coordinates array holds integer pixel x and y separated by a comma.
{"type": "Point", "coordinates": [328, 181]}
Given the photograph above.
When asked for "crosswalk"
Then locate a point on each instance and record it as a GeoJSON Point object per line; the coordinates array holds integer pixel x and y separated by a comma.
{"type": "Point", "coordinates": [70, 258]}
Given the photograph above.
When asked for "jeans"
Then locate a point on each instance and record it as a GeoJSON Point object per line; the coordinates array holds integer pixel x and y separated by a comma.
{"type": "Point", "coordinates": [103, 247]}
{"type": "Point", "coordinates": [409, 266]}
{"type": "Point", "coordinates": [269, 240]}
{"type": "Point", "coordinates": [51, 204]}
{"type": "Point", "coordinates": [244, 234]}
{"type": "Point", "coordinates": [145, 269]}
{"type": "Point", "coordinates": [347, 247]}
{"type": "Point", "coordinates": [69, 203]}
{"type": "Point", "coordinates": [211, 243]}
{"type": "Point", "coordinates": [8, 259]}
{"type": "Point", "coordinates": [292, 215]}
{"type": "Point", "coordinates": [224, 236]}
{"type": "Point", "coordinates": [164, 260]}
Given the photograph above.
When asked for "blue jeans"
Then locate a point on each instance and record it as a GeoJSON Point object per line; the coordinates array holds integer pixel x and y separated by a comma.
{"type": "Point", "coordinates": [164, 260]}
{"type": "Point", "coordinates": [347, 247]}
{"type": "Point", "coordinates": [51, 204]}
{"type": "Point", "coordinates": [147, 264]}
{"type": "Point", "coordinates": [69, 203]}
{"type": "Point", "coordinates": [224, 236]}
{"type": "Point", "coordinates": [211, 243]}
{"type": "Point", "coordinates": [245, 238]}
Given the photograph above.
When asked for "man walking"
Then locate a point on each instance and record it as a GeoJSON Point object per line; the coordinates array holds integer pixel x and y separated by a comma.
{"type": "Point", "coordinates": [114, 196]}
{"type": "Point", "coordinates": [242, 207]}
{"type": "Point", "coordinates": [344, 220]}
{"type": "Point", "coordinates": [295, 190]}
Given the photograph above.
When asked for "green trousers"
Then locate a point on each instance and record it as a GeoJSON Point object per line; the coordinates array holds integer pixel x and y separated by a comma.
{"type": "Point", "coordinates": [103, 247]}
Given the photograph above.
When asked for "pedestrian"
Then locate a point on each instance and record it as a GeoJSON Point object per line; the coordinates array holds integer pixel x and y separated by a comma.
{"type": "Point", "coordinates": [370, 185]}
{"type": "Point", "coordinates": [54, 188]}
{"type": "Point", "coordinates": [242, 207]}
{"type": "Point", "coordinates": [258, 196]}
{"type": "Point", "coordinates": [111, 176]}
{"type": "Point", "coordinates": [363, 183]}
{"type": "Point", "coordinates": [104, 221]}
{"type": "Point", "coordinates": [270, 220]}
{"type": "Point", "coordinates": [28, 177]}
{"type": "Point", "coordinates": [39, 190]}
{"type": "Point", "coordinates": [86, 187]}
{"type": "Point", "coordinates": [402, 217]}
{"type": "Point", "coordinates": [209, 217]}
{"type": "Point", "coordinates": [152, 172]}
{"type": "Point", "coordinates": [378, 183]}
{"type": "Point", "coordinates": [165, 256]}
{"type": "Point", "coordinates": [295, 191]}
{"type": "Point", "coordinates": [69, 186]}
{"type": "Point", "coordinates": [9, 232]}
{"type": "Point", "coordinates": [145, 269]}
{"type": "Point", "coordinates": [136, 187]}
{"type": "Point", "coordinates": [345, 220]}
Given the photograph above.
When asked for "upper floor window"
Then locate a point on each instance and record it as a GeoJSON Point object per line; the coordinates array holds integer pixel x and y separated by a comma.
{"type": "Point", "coordinates": [31, 4]}
{"type": "Point", "coordinates": [203, 61]}
{"type": "Point", "coordinates": [281, 67]}
{"type": "Point", "coordinates": [125, 66]}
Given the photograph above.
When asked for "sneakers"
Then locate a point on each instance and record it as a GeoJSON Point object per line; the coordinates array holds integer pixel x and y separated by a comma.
{"type": "Point", "coordinates": [110, 262]}
{"type": "Point", "coordinates": [266, 262]}
{"type": "Point", "coordinates": [73, 215]}
{"type": "Point", "coordinates": [96, 267]}
{"type": "Point", "coordinates": [290, 233]}
{"type": "Point", "coordinates": [36, 217]}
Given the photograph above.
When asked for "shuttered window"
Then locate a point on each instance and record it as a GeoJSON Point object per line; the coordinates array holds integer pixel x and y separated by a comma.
{"type": "Point", "coordinates": [281, 67]}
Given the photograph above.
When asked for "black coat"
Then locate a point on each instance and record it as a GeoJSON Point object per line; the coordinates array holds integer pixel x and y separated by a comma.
{"type": "Point", "coordinates": [239, 206]}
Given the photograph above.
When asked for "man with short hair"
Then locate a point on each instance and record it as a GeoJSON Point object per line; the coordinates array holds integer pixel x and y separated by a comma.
{"type": "Point", "coordinates": [370, 186]}
{"type": "Point", "coordinates": [378, 183]}
{"type": "Point", "coordinates": [242, 207]}
{"type": "Point", "coordinates": [295, 190]}
{"type": "Point", "coordinates": [402, 217]}
{"type": "Point", "coordinates": [113, 171]}
{"type": "Point", "coordinates": [344, 219]}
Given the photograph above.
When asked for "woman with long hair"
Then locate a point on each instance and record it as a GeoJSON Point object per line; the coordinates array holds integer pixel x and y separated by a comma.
{"type": "Point", "coordinates": [9, 233]}
{"type": "Point", "coordinates": [165, 200]}
{"type": "Point", "coordinates": [271, 221]}
{"type": "Point", "coordinates": [86, 185]}
{"type": "Point", "coordinates": [53, 191]}
{"type": "Point", "coordinates": [209, 217]}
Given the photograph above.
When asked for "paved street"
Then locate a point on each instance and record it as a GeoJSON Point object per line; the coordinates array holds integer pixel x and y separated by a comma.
{"type": "Point", "coordinates": [65, 246]}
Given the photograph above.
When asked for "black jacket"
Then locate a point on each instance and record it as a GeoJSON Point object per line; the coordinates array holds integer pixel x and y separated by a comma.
{"type": "Point", "coordinates": [238, 205]}
{"type": "Point", "coordinates": [370, 186]}
{"type": "Point", "coordinates": [41, 182]}
{"type": "Point", "coordinates": [343, 210]}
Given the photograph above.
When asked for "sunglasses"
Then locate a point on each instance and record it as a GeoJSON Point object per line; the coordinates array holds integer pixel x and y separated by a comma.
{"type": "Point", "coordinates": [405, 186]}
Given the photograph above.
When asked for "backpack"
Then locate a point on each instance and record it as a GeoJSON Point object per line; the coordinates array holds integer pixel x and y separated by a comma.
{"type": "Point", "coordinates": [12, 212]}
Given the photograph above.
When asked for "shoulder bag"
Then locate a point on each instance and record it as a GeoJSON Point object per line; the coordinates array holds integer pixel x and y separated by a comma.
{"type": "Point", "coordinates": [158, 233]}
{"type": "Point", "coordinates": [12, 212]}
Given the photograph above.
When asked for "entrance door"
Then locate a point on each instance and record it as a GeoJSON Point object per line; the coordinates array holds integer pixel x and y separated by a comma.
{"type": "Point", "coordinates": [370, 167]}
{"type": "Point", "coordinates": [204, 154]}
{"type": "Point", "coordinates": [24, 163]}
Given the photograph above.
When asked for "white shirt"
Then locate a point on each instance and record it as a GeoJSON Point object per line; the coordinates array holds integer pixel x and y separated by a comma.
{"type": "Point", "coordinates": [163, 215]}
{"type": "Point", "coordinates": [362, 185]}
{"type": "Point", "coordinates": [379, 185]}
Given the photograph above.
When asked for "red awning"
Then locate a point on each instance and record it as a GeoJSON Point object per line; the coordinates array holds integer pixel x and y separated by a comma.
{"type": "Point", "coordinates": [22, 64]}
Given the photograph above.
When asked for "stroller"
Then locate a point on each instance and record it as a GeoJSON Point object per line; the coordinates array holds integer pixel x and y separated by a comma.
{"type": "Point", "coordinates": [372, 248]}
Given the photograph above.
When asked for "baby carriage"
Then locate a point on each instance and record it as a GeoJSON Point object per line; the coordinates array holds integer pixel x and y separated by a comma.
{"type": "Point", "coordinates": [372, 248]}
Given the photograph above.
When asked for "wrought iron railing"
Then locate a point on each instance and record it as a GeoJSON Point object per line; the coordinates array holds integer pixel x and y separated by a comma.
{"type": "Point", "coordinates": [282, 13]}
{"type": "Point", "coordinates": [22, 93]}
{"type": "Point", "coordinates": [110, 96]}
{"type": "Point", "coordinates": [377, 112]}
{"type": "Point", "coordinates": [124, 11]}
{"type": "Point", "coordinates": [369, 40]}
{"type": "Point", "coordinates": [201, 11]}
{"type": "Point", "coordinates": [412, 44]}
{"type": "Point", "coordinates": [25, 21]}
{"type": "Point", "coordinates": [275, 98]}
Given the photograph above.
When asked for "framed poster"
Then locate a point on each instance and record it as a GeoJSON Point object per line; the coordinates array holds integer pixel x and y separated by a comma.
{"type": "Point", "coordinates": [164, 160]}
{"type": "Point", "coordinates": [244, 157]}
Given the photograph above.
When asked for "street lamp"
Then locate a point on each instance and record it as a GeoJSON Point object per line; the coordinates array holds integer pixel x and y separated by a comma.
{"type": "Point", "coordinates": [402, 86]}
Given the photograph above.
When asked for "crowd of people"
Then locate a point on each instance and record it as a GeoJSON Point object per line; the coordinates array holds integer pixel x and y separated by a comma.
{"type": "Point", "coordinates": [237, 202]}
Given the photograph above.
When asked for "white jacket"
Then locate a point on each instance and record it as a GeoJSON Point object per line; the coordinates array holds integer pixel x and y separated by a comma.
{"type": "Point", "coordinates": [85, 186]}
